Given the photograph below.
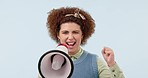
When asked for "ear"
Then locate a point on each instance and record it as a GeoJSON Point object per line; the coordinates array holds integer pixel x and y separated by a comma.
{"type": "Point", "coordinates": [58, 36]}
{"type": "Point", "coordinates": [58, 39]}
{"type": "Point", "coordinates": [82, 37]}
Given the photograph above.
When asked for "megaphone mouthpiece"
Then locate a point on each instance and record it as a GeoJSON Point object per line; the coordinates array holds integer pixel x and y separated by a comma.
{"type": "Point", "coordinates": [62, 47]}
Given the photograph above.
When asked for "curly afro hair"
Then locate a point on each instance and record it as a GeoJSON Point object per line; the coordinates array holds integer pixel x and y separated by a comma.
{"type": "Point", "coordinates": [58, 16]}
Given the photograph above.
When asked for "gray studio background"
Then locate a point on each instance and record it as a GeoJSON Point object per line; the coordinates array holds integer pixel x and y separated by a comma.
{"type": "Point", "coordinates": [120, 24]}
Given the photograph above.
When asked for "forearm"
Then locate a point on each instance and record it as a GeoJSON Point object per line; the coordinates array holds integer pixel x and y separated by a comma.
{"type": "Point", "coordinates": [116, 71]}
{"type": "Point", "coordinates": [103, 70]}
{"type": "Point", "coordinates": [108, 72]}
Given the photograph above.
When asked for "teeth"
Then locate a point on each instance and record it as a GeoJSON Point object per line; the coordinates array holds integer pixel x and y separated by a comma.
{"type": "Point", "coordinates": [70, 44]}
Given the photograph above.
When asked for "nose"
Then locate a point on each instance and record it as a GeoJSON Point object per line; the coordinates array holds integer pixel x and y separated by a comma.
{"type": "Point", "coordinates": [70, 36]}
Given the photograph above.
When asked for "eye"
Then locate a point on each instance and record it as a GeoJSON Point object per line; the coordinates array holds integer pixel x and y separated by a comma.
{"type": "Point", "coordinates": [65, 32]}
{"type": "Point", "coordinates": [76, 32]}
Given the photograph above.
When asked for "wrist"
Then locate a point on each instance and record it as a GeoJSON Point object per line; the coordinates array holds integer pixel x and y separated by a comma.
{"type": "Point", "coordinates": [111, 64]}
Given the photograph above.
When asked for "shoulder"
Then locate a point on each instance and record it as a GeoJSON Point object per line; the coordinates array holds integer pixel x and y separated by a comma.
{"type": "Point", "coordinates": [94, 57]}
{"type": "Point", "coordinates": [89, 53]}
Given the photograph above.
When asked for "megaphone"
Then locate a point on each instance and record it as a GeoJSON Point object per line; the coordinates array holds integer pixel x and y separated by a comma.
{"type": "Point", "coordinates": [56, 63]}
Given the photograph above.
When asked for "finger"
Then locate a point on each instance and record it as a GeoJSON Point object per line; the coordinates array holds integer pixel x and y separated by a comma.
{"type": "Point", "coordinates": [107, 49]}
{"type": "Point", "coordinates": [103, 51]}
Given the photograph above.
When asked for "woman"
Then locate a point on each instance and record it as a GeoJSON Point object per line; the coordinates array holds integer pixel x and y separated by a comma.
{"type": "Point", "coordinates": [73, 26]}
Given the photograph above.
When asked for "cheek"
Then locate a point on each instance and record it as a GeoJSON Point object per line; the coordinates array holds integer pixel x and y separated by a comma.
{"type": "Point", "coordinates": [62, 38]}
{"type": "Point", "coordinates": [79, 39]}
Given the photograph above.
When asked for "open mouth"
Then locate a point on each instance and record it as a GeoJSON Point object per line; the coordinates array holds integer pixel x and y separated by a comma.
{"type": "Point", "coordinates": [70, 44]}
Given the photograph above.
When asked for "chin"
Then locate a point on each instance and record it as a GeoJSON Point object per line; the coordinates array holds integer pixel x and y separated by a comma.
{"type": "Point", "coordinates": [71, 52]}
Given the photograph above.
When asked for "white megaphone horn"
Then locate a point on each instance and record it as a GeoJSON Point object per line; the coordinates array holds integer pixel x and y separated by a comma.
{"type": "Point", "coordinates": [56, 63]}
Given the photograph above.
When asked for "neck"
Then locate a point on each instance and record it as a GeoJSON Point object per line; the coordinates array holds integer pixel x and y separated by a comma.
{"type": "Point", "coordinates": [73, 53]}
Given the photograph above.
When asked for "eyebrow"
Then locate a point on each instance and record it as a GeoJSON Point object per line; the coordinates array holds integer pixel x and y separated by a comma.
{"type": "Point", "coordinates": [73, 30]}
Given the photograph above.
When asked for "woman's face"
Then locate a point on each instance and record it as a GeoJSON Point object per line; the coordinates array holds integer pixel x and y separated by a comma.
{"type": "Point", "coordinates": [71, 35]}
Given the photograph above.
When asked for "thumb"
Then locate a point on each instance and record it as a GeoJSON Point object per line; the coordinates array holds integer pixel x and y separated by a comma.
{"type": "Point", "coordinates": [103, 52]}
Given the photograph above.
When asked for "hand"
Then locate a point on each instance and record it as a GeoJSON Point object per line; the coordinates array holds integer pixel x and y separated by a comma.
{"type": "Point", "coordinates": [108, 55]}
